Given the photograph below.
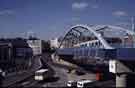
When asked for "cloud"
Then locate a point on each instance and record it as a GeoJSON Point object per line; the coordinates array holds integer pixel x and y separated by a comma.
{"type": "Point", "coordinates": [119, 13]}
{"type": "Point", "coordinates": [6, 12]}
{"type": "Point", "coordinates": [79, 5]}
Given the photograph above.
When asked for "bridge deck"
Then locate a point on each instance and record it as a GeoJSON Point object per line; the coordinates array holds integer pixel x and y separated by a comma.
{"type": "Point", "coordinates": [119, 53]}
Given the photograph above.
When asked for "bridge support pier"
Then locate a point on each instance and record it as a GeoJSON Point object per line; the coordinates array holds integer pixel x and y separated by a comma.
{"type": "Point", "coordinates": [124, 71]}
{"type": "Point", "coordinates": [121, 80]}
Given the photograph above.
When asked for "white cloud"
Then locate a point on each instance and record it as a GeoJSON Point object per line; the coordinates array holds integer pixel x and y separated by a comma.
{"type": "Point", "coordinates": [120, 13]}
{"type": "Point", "coordinates": [6, 12]}
{"type": "Point", "coordinates": [79, 5]}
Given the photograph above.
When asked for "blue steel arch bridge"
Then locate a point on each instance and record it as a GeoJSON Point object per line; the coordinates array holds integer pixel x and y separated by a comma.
{"type": "Point", "coordinates": [83, 42]}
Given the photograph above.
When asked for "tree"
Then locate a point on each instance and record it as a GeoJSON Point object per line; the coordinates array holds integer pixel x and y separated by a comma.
{"type": "Point", "coordinates": [45, 46]}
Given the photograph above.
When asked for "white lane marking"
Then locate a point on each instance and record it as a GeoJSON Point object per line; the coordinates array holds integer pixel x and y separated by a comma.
{"type": "Point", "coordinates": [25, 83]}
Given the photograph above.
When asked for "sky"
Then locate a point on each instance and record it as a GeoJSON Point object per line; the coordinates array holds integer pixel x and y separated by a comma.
{"type": "Point", "coordinates": [53, 18]}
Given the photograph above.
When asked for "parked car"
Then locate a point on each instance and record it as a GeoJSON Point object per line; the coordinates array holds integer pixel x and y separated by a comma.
{"type": "Point", "coordinates": [72, 83]}
{"type": "Point", "coordinates": [84, 83]}
{"type": "Point", "coordinates": [2, 74]}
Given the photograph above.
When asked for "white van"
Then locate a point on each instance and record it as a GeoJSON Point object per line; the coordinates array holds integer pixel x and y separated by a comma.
{"type": "Point", "coordinates": [83, 83]}
{"type": "Point", "coordinates": [42, 74]}
{"type": "Point", "coordinates": [2, 73]}
{"type": "Point", "coordinates": [72, 83]}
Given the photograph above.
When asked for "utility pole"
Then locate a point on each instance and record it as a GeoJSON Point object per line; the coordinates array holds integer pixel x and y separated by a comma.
{"type": "Point", "coordinates": [133, 24]}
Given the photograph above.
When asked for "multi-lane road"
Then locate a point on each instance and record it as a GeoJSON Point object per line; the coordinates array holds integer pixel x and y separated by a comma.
{"type": "Point", "coordinates": [60, 78]}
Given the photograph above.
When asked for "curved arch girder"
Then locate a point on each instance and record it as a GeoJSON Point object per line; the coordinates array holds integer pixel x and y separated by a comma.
{"type": "Point", "coordinates": [85, 27]}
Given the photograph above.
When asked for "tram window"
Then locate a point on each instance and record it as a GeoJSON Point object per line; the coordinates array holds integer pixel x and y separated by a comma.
{"type": "Point", "coordinates": [96, 43]}
{"type": "Point", "coordinates": [82, 45]}
{"type": "Point", "coordinates": [92, 44]}
{"type": "Point", "coordinates": [85, 45]}
{"type": "Point", "coordinates": [89, 44]}
{"type": "Point", "coordinates": [99, 43]}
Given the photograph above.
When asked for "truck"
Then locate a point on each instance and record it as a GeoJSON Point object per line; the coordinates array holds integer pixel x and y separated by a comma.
{"type": "Point", "coordinates": [43, 74]}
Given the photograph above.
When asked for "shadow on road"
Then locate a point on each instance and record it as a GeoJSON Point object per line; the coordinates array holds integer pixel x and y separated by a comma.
{"type": "Point", "coordinates": [52, 79]}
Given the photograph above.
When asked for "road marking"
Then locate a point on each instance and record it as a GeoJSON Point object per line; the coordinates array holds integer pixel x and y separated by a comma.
{"type": "Point", "coordinates": [25, 83]}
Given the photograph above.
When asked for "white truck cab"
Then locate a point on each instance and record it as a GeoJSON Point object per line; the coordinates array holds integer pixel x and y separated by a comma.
{"type": "Point", "coordinates": [41, 74]}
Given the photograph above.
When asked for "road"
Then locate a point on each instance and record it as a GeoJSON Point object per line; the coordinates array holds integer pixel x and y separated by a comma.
{"type": "Point", "coordinates": [59, 80]}
{"type": "Point", "coordinates": [61, 77]}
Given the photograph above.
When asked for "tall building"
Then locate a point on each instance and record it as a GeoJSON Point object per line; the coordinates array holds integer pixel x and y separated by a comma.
{"type": "Point", "coordinates": [54, 43]}
{"type": "Point", "coordinates": [14, 53]}
{"type": "Point", "coordinates": [35, 45]}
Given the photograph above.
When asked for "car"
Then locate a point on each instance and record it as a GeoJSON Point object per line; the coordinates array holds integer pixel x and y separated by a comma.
{"type": "Point", "coordinates": [72, 83]}
{"type": "Point", "coordinates": [84, 83]}
{"type": "Point", "coordinates": [2, 74]}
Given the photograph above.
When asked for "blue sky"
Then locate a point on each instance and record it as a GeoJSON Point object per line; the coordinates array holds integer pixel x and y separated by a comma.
{"type": "Point", "coordinates": [52, 18]}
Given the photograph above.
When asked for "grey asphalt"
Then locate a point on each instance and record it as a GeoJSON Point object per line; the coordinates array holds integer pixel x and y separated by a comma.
{"type": "Point", "coordinates": [61, 77]}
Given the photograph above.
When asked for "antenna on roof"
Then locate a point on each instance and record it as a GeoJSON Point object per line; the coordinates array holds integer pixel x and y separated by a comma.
{"type": "Point", "coordinates": [133, 24]}
{"type": "Point", "coordinates": [30, 34]}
